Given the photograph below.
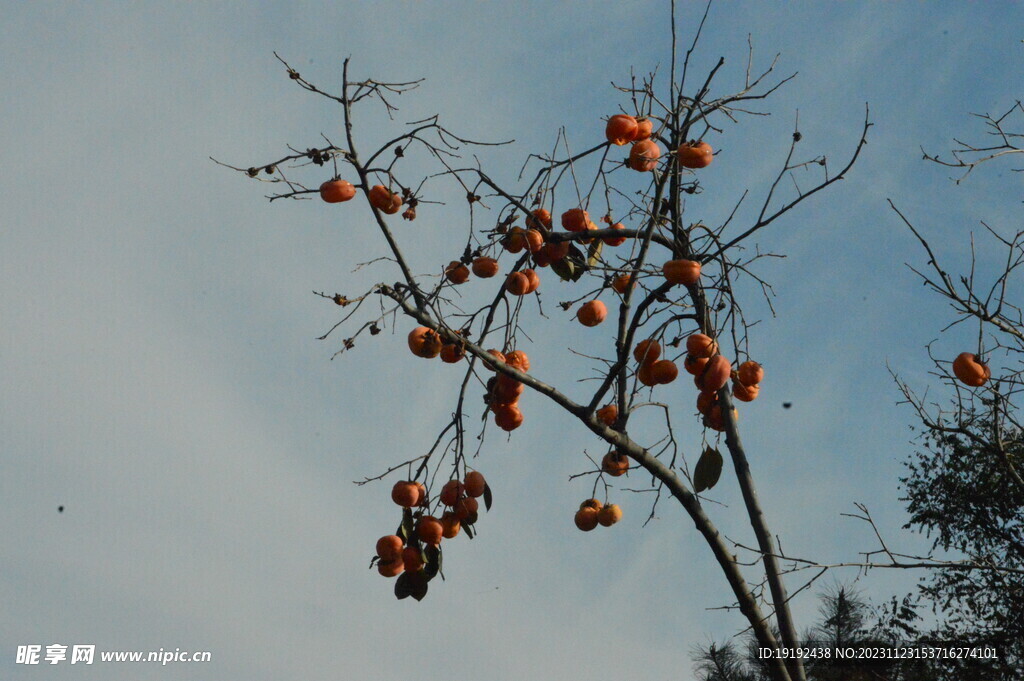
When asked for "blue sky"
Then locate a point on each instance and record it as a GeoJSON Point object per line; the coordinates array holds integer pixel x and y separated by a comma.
{"type": "Point", "coordinates": [162, 381]}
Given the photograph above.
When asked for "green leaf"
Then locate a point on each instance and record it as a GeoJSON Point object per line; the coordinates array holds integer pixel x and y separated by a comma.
{"type": "Point", "coordinates": [708, 470]}
{"type": "Point", "coordinates": [594, 252]}
{"type": "Point", "coordinates": [419, 585]}
{"type": "Point", "coordinates": [564, 269]}
{"type": "Point", "coordinates": [572, 266]}
{"type": "Point", "coordinates": [432, 563]}
{"type": "Point", "coordinates": [405, 529]}
{"type": "Point", "coordinates": [578, 261]}
{"type": "Point", "coordinates": [487, 496]}
{"type": "Point", "coordinates": [403, 586]}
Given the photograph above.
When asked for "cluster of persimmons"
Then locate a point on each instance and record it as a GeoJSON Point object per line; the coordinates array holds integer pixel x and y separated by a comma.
{"type": "Point", "coordinates": [593, 513]}
{"type": "Point", "coordinates": [410, 548]}
{"type": "Point", "coordinates": [644, 156]}
{"type": "Point", "coordinates": [408, 551]}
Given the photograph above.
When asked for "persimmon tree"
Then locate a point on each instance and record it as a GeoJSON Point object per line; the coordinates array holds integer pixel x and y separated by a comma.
{"type": "Point", "coordinates": [612, 231]}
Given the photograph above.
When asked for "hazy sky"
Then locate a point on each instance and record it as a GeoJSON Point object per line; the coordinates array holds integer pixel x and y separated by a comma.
{"type": "Point", "coordinates": [162, 381]}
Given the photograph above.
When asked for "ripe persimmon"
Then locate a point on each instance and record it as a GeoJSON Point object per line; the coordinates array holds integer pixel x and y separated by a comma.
{"type": "Point", "coordinates": [450, 525]}
{"type": "Point", "coordinates": [515, 240]}
{"type": "Point", "coordinates": [405, 494]}
{"type": "Point", "coordinates": [644, 155]}
{"type": "Point", "coordinates": [694, 365]}
{"type": "Point", "coordinates": [451, 492]}
{"type": "Point", "coordinates": [750, 373]}
{"type": "Point", "coordinates": [497, 355]}
{"type": "Point", "coordinates": [389, 546]}
{"type": "Point", "coordinates": [425, 342]}
{"type": "Point", "coordinates": [705, 401]}
{"type": "Point", "coordinates": [508, 417]}
{"type": "Point", "coordinates": [412, 559]}
{"type": "Point", "coordinates": [745, 393]}
{"type": "Point", "coordinates": [592, 503]}
{"type": "Point", "coordinates": [518, 284]}
{"type": "Point", "coordinates": [621, 129]}
{"type": "Point", "coordinates": [534, 280]}
{"type": "Point", "coordinates": [608, 414]}
{"type": "Point", "coordinates": [575, 219]}
{"type": "Point", "coordinates": [615, 464]}
{"type": "Point", "coordinates": [337, 191]}
{"type": "Point", "coordinates": [485, 267]}
{"type": "Point", "coordinates": [429, 530]}
{"type": "Point", "coordinates": [391, 567]}
{"type": "Point", "coordinates": [644, 128]}
{"type": "Point", "coordinates": [592, 313]}
{"type": "Point", "coordinates": [623, 283]}
{"type": "Point", "coordinates": [971, 370]}
{"type": "Point", "coordinates": [539, 218]}
{"type": "Point", "coordinates": [647, 351]}
{"type": "Point", "coordinates": [456, 272]}
{"type": "Point", "coordinates": [615, 240]}
{"type": "Point", "coordinates": [534, 240]}
{"type": "Point", "coordinates": [586, 519]}
{"type": "Point", "coordinates": [685, 272]}
{"type": "Point", "coordinates": [700, 345]}
{"type": "Point", "coordinates": [518, 359]}
{"type": "Point", "coordinates": [695, 154]}
{"type": "Point", "coordinates": [452, 353]}
{"type": "Point", "coordinates": [474, 484]}
{"type": "Point", "coordinates": [664, 371]}
{"type": "Point", "coordinates": [715, 375]}
{"type": "Point", "coordinates": [466, 508]}
{"type": "Point", "coordinates": [379, 196]}
{"type": "Point", "coordinates": [716, 421]}
{"type": "Point", "coordinates": [609, 515]}
{"type": "Point", "coordinates": [645, 374]}
{"type": "Point", "coordinates": [384, 199]}
{"type": "Point", "coordinates": [506, 390]}
{"type": "Point", "coordinates": [591, 227]}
